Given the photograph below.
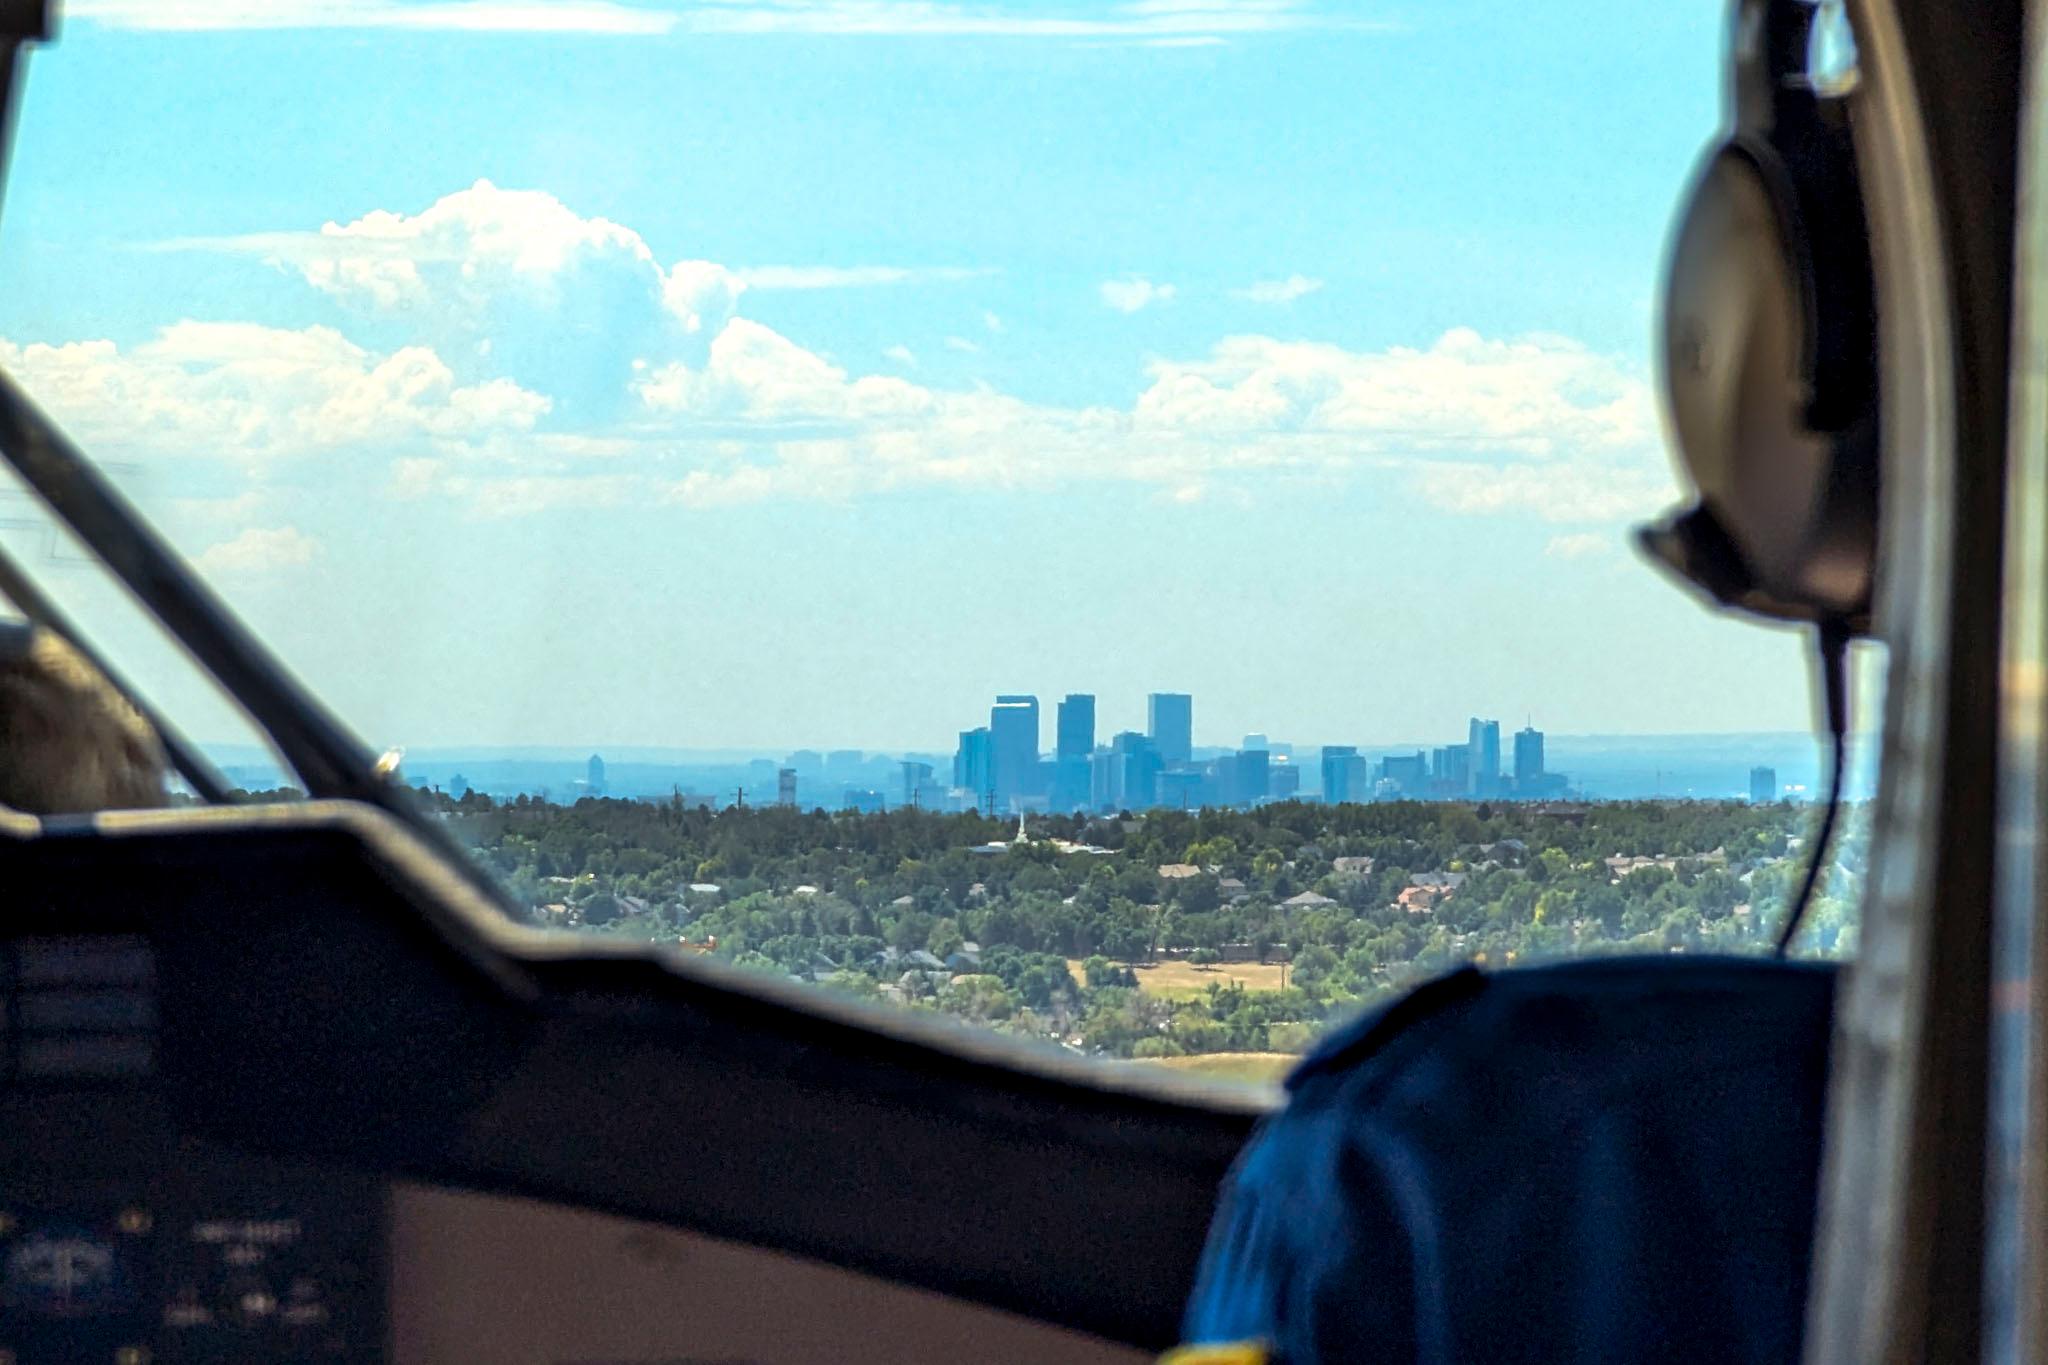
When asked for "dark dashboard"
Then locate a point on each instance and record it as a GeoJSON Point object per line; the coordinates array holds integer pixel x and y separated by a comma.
{"type": "Point", "coordinates": [244, 1050]}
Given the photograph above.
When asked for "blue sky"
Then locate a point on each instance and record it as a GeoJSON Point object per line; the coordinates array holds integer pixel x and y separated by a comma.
{"type": "Point", "coordinates": [807, 371]}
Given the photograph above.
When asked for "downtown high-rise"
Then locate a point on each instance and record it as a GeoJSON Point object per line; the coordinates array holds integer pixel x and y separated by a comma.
{"type": "Point", "coordinates": [1170, 723]}
{"type": "Point", "coordinates": [1013, 737]}
{"type": "Point", "coordinates": [1482, 746]}
{"type": "Point", "coordinates": [1073, 750]}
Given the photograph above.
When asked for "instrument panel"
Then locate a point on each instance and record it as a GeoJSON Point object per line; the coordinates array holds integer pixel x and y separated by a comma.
{"type": "Point", "coordinates": [121, 1242]}
{"type": "Point", "coordinates": [274, 1086]}
{"type": "Point", "coordinates": [214, 1259]}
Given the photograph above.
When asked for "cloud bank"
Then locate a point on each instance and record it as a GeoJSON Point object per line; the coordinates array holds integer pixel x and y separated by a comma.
{"type": "Point", "coordinates": [556, 362]}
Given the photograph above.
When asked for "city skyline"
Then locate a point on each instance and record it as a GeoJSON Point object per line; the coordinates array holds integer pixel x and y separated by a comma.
{"type": "Point", "coordinates": [1675, 766]}
{"type": "Point", "coordinates": [1003, 766]}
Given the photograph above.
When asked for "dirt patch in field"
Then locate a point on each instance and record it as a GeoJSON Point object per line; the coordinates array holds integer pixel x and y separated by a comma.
{"type": "Point", "coordinates": [1184, 979]}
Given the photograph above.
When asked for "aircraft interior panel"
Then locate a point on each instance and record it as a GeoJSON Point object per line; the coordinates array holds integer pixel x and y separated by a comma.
{"type": "Point", "coordinates": [488, 1278]}
{"type": "Point", "coordinates": [214, 1080]}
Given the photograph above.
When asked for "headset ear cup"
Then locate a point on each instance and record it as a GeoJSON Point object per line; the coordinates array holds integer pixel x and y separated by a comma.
{"type": "Point", "coordinates": [1736, 341]}
{"type": "Point", "coordinates": [1768, 362]}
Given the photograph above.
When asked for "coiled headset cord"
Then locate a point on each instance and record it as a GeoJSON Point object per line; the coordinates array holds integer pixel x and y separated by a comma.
{"type": "Point", "coordinates": [1834, 668]}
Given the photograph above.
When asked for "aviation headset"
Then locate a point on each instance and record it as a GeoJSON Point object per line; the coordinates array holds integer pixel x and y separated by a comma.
{"type": "Point", "coordinates": [1769, 355]}
{"type": "Point", "coordinates": [1769, 367]}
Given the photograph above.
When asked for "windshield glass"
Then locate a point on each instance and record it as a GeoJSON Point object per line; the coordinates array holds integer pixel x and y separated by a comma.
{"type": "Point", "coordinates": [1110, 523]}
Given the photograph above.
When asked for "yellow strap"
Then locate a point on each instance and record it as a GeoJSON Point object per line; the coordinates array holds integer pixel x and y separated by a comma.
{"type": "Point", "coordinates": [1219, 1353]}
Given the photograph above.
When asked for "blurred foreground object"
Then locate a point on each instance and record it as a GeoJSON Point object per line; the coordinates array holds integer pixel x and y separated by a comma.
{"type": "Point", "coordinates": [69, 741]}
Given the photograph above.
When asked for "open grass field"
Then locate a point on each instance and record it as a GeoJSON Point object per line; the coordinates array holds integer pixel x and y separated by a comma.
{"type": "Point", "coordinates": [1251, 1068]}
{"type": "Point", "coordinates": [1180, 980]}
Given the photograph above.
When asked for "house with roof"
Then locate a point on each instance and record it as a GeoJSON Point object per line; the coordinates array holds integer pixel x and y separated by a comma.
{"type": "Point", "coordinates": [1621, 865]}
{"type": "Point", "coordinates": [1419, 900]}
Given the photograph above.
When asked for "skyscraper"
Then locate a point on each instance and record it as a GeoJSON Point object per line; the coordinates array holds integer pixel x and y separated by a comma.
{"type": "Point", "coordinates": [1076, 726]}
{"type": "Point", "coordinates": [1180, 789]}
{"type": "Point", "coordinates": [1134, 767]}
{"type": "Point", "coordinates": [1254, 776]}
{"type": "Point", "coordinates": [1528, 758]}
{"type": "Point", "coordinates": [1408, 772]}
{"type": "Point", "coordinates": [1072, 780]}
{"type": "Point", "coordinates": [1283, 779]}
{"type": "Point", "coordinates": [1763, 785]}
{"type": "Point", "coordinates": [916, 776]}
{"type": "Point", "coordinates": [785, 786]}
{"type": "Point", "coordinates": [1337, 773]}
{"type": "Point", "coordinates": [1483, 748]}
{"type": "Point", "coordinates": [1170, 721]}
{"type": "Point", "coordinates": [973, 766]}
{"type": "Point", "coordinates": [594, 775]}
{"type": "Point", "coordinates": [1013, 731]}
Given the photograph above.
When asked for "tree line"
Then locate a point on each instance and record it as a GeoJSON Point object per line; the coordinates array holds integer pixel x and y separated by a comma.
{"type": "Point", "coordinates": [1048, 937]}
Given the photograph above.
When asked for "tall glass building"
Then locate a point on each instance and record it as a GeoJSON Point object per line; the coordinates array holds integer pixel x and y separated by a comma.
{"type": "Point", "coordinates": [1013, 732]}
{"type": "Point", "coordinates": [973, 767]}
{"type": "Point", "coordinates": [1170, 721]}
{"type": "Point", "coordinates": [1528, 755]}
{"type": "Point", "coordinates": [1076, 726]}
{"type": "Point", "coordinates": [1483, 746]}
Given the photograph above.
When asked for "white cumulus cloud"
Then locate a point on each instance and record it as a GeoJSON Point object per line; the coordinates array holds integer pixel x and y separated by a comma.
{"type": "Point", "coordinates": [474, 250]}
{"type": "Point", "coordinates": [466, 245]}
{"type": "Point", "coordinates": [247, 392]}
{"type": "Point", "coordinates": [1134, 292]}
{"type": "Point", "coordinates": [1531, 396]}
{"type": "Point", "coordinates": [1279, 291]}
{"type": "Point", "coordinates": [756, 374]}
{"type": "Point", "coordinates": [559, 364]}
{"type": "Point", "coordinates": [699, 290]}
{"type": "Point", "coordinates": [1537, 426]}
{"type": "Point", "coordinates": [259, 549]}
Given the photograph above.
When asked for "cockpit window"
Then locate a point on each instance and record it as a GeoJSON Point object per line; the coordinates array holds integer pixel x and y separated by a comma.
{"type": "Point", "coordinates": [1107, 523]}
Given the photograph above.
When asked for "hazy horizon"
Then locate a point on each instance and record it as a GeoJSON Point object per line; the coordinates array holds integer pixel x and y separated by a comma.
{"type": "Point", "coordinates": [240, 750]}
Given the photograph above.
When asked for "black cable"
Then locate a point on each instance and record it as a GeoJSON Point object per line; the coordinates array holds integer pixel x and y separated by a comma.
{"type": "Point", "coordinates": [1833, 644]}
